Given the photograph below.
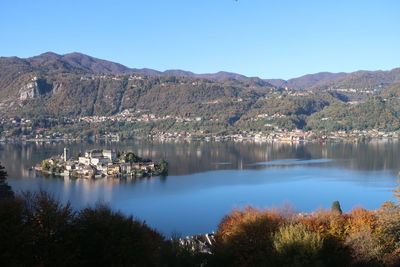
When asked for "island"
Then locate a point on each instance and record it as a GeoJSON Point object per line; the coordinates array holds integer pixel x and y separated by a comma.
{"type": "Point", "coordinates": [99, 163]}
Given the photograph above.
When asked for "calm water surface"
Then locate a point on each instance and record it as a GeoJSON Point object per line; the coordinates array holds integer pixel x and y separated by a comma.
{"type": "Point", "coordinates": [208, 179]}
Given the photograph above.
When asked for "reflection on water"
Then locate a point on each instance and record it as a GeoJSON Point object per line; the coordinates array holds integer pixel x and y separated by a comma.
{"type": "Point", "coordinates": [291, 162]}
{"type": "Point", "coordinates": [193, 157]}
{"type": "Point", "coordinates": [208, 179]}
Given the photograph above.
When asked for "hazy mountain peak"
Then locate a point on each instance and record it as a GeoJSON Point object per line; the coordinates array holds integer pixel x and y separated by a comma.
{"type": "Point", "coordinates": [179, 72]}
{"type": "Point", "coordinates": [46, 56]}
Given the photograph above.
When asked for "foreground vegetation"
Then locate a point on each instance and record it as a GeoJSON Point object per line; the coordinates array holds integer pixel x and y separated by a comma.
{"type": "Point", "coordinates": [37, 230]}
{"type": "Point", "coordinates": [254, 237]}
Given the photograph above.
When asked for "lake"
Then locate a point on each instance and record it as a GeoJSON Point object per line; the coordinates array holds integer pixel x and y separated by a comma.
{"type": "Point", "coordinates": [208, 179]}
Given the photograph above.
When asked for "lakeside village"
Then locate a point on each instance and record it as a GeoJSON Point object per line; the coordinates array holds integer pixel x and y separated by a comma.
{"type": "Point", "coordinates": [274, 134]}
{"type": "Point", "coordinates": [102, 163]}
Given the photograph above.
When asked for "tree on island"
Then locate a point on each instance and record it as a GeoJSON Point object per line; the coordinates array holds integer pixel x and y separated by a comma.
{"type": "Point", "coordinates": [5, 189]}
{"type": "Point", "coordinates": [131, 157]}
{"type": "Point", "coordinates": [162, 167]}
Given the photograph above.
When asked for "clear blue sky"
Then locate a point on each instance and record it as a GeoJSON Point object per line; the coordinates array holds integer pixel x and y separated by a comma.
{"type": "Point", "coordinates": [265, 38]}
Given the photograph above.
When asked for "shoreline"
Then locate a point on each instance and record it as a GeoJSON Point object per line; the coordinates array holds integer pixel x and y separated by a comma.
{"type": "Point", "coordinates": [327, 139]}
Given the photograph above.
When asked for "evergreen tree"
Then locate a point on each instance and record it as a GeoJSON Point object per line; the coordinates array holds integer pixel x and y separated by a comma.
{"type": "Point", "coordinates": [336, 207]}
{"type": "Point", "coordinates": [5, 189]}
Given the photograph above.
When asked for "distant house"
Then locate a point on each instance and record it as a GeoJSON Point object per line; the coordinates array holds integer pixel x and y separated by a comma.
{"type": "Point", "coordinates": [144, 167]}
{"type": "Point", "coordinates": [136, 165]}
{"type": "Point", "coordinates": [113, 169]}
{"type": "Point", "coordinates": [151, 165]}
{"type": "Point", "coordinates": [90, 171]}
{"type": "Point", "coordinates": [69, 165]}
{"type": "Point", "coordinates": [102, 167]}
{"type": "Point", "coordinates": [84, 160]}
{"type": "Point", "coordinates": [94, 153]}
{"type": "Point", "coordinates": [112, 155]}
{"type": "Point", "coordinates": [126, 168]}
{"type": "Point", "coordinates": [86, 170]}
{"type": "Point", "coordinates": [100, 160]}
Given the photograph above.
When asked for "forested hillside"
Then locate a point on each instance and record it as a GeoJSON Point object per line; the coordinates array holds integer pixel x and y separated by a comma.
{"type": "Point", "coordinates": [51, 86]}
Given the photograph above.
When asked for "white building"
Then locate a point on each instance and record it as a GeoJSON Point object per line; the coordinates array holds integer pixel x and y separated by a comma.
{"type": "Point", "coordinates": [98, 157]}
{"type": "Point", "coordinates": [109, 154]}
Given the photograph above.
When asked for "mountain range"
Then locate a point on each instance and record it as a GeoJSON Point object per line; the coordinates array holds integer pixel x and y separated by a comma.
{"type": "Point", "coordinates": [99, 66]}
{"type": "Point", "coordinates": [322, 80]}
{"type": "Point", "coordinates": [75, 85]}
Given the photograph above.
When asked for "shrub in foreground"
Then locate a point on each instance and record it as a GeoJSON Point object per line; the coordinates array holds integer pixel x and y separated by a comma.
{"type": "Point", "coordinates": [37, 230]}
{"type": "Point", "coordinates": [253, 237]}
{"type": "Point", "coordinates": [245, 238]}
{"type": "Point", "coordinates": [296, 245]}
{"type": "Point", "coordinates": [105, 238]}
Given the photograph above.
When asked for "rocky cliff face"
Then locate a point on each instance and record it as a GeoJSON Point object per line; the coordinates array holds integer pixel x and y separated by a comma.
{"type": "Point", "coordinates": [34, 88]}
{"type": "Point", "coordinates": [29, 90]}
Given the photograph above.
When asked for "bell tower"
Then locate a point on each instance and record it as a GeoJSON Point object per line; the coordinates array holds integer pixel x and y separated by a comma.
{"type": "Point", "coordinates": [66, 154]}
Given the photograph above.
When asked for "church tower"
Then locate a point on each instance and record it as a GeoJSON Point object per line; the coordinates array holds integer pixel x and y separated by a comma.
{"type": "Point", "coordinates": [65, 155]}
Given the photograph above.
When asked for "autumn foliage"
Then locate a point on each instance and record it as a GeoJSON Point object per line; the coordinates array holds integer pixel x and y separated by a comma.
{"type": "Point", "coordinates": [254, 237]}
{"type": "Point", "coordinates": [37, 230]}
{"type": "Point", "coordinates": [245, 237]}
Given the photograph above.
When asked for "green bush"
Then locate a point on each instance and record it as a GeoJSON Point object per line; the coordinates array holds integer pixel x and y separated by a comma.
{"type": "Point", "coordinates": [296, 245]}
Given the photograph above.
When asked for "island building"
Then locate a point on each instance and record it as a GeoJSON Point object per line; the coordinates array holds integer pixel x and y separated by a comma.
{"type": "Point", "coordinates": [96, 157]}
{"type": "Point", "coordinates": [66, 154]}
{"type": "Point", "coordinates": [96, 163]}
